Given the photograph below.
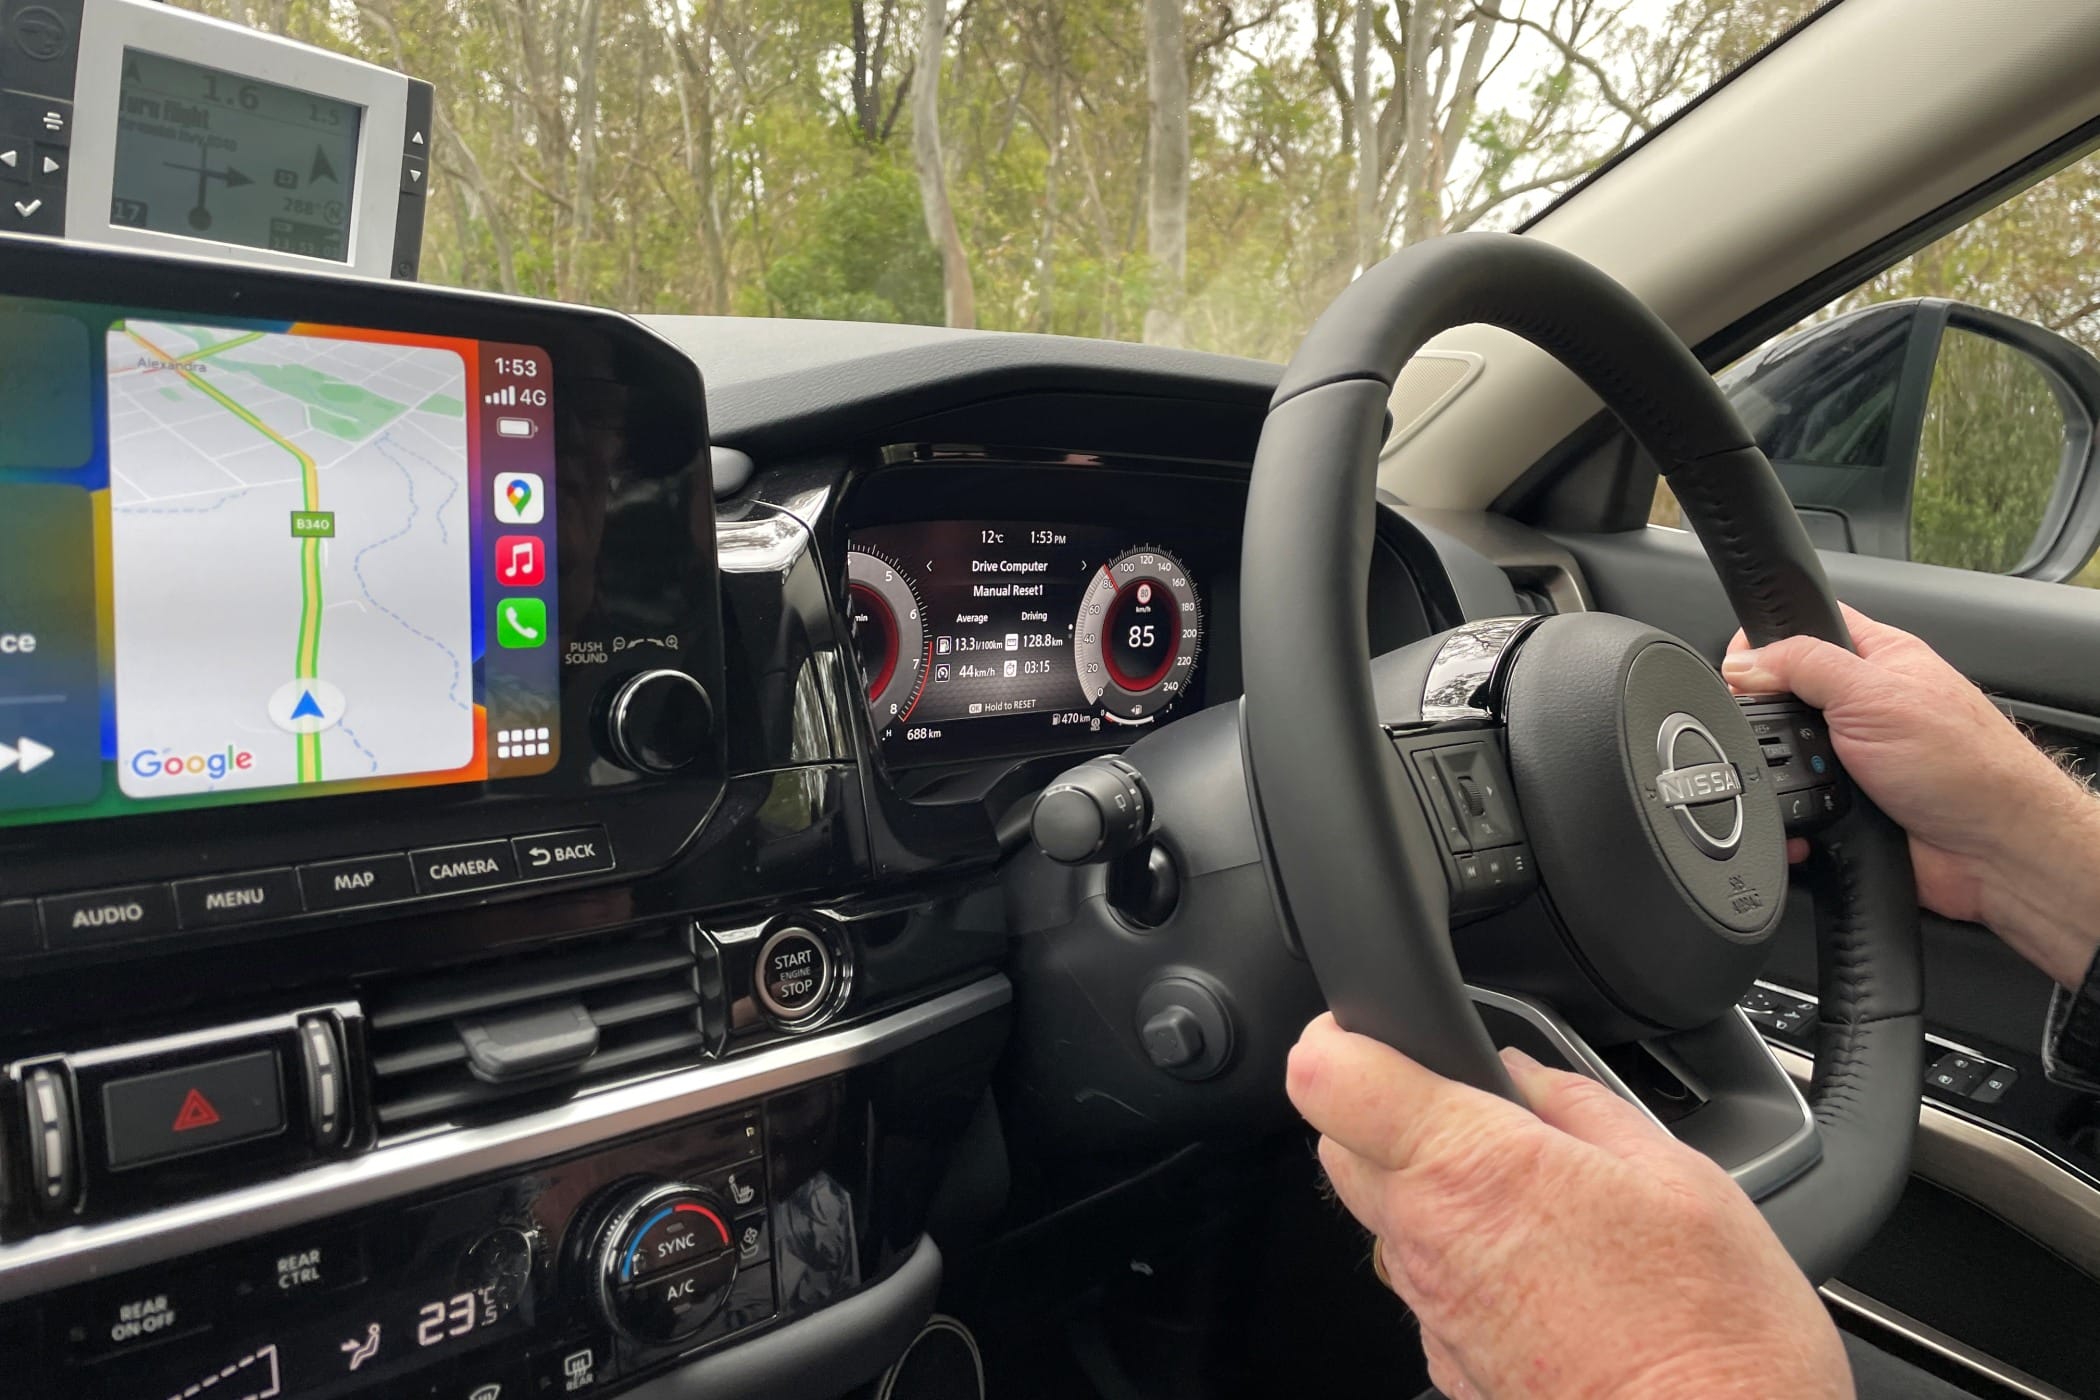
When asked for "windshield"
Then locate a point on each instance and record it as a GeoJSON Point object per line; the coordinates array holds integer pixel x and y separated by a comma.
{"type": "Point", "coordinates": [1193, 172]}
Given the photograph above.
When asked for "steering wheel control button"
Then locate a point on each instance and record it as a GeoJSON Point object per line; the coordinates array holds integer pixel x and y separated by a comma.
{"type": "Point", "coordinates": [659, 722]}
{"type": "Point", "coordinates": [108, 916]}
{"type": "Point", "coordinates": [665, 1262]}
{"type": "Point", "coordinates": [177, 1112]}
{"type": "Point", "coordinates": [584, 851]}
{"type": "Point", "coordinates": [478, 865]}
{"type": "Point", "coordinates": [220, 900]}
{"type": "Point", "coordinates": [1778, 1011]}
{"type": "Point", "coordinates": [1794, 742]}
{"type": "Point", "coordinates": [1478, 793]}
{"type": "Point", "coordinates": [354, 884]}
{"type": "Point", "coordinates": [794, 974]}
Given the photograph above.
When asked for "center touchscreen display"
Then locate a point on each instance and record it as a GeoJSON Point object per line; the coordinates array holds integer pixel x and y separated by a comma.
{"type": "Point", "coordinates": [246, 561]}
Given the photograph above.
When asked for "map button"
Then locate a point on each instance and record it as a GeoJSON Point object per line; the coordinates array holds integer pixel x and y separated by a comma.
{"type": "Point", "coordinates": [108, 916]}
{"type": "Point", "coordinates": [454, 869]}
{"type": "Point", "coordinates": [353, 884]}
{"type": "Point", "coordinates": [219, 900]}
{"type": "Point", "coordinates": [584, 851]}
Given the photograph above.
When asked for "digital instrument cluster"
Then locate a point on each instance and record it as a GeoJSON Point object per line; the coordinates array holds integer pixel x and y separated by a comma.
{"type": "Point", "coordinates": [978, 638]}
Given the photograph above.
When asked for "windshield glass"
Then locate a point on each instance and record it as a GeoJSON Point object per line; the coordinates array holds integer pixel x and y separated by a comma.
{"type": "Point", "coordinates": [1196, 172]}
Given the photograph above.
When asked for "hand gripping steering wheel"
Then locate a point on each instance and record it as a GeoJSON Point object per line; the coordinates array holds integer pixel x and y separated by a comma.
{"type": "Point", "coordinates": [1639, 784]}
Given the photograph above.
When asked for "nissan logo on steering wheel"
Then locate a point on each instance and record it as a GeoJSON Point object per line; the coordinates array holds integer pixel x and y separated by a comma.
{"type": "Point", "coordinates": [1698, 780]}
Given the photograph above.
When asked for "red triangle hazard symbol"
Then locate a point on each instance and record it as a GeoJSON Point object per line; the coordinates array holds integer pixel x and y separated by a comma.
{"type": "Point", "coordinates": [196, 1112]}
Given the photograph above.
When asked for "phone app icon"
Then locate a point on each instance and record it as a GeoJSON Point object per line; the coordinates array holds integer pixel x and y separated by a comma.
{"type": "Point", "coordinates": [521, 498]}
{"type": "Point", "coordinates": [521, 623]}
{"type": "Point", "coordinates": [521, 561]}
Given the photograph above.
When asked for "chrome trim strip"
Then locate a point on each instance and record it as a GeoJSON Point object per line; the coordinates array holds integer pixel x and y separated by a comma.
{"type": "Point", "coordinates": [83, 1252]}
{"type": "Point", "coordinates": [1940, 1344]}
{"type": "Point", "coordinates": [2000, 1173]}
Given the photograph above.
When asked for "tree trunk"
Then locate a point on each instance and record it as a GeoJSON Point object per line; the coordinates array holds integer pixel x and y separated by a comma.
{"type": "Point", "coordinates": [1167, 191]}
{"type": "Point", "coordinates": [957, 289]}
{"type": "Point", "coordinates": [1370, 161]}
{"type": "Point", "coordinates": [586, 147]}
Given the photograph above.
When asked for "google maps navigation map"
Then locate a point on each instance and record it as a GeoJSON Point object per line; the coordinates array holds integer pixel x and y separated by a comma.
{"type": "Point", "coordinates": [290, 528]}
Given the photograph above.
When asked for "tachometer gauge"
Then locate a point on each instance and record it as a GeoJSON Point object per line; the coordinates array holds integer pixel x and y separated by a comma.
{"type": "Point", "coordinates": [889, 636]}
{"type": "Point", "coordinates": [1139, 630]}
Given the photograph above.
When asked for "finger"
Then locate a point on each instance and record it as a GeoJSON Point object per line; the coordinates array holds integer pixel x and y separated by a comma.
{"type": "Point", "coordinates": [1815, 671]}
{"type": "Point", "coordinates": [1738, 642]}
{"type": "Point", "coordinates": [1581, 1107]}
{"type": "Point", "coordinates": [1378, 1103]}
{"type": "Point", "coordinates": [1796, 849]}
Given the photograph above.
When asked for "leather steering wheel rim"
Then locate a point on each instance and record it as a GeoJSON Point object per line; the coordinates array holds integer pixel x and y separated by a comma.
{"type": "Point", "coordinates": [1346, 845]}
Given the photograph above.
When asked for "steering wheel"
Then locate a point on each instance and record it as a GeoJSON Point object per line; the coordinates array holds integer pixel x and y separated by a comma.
{"type": "Point", "coordinates": [1661, 880]}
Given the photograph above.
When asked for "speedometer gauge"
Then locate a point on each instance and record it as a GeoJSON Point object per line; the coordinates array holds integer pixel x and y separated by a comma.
{"type": "Point", "coordinates": [889, 634]}
{"type": "Point", "coordinates": [1139, 630]}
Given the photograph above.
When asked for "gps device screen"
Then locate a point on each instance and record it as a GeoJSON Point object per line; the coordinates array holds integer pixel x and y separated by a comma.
{"type": "Point", "coordinates": [243, 562]}
{"type": "Point", "coordinates": [204, 153]}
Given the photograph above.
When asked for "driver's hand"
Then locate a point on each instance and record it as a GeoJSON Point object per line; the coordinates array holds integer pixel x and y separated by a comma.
{"type": "Point", "coordinates": [1998, 833]}
{"type": "Point", "coordinates": [1573, 1251]}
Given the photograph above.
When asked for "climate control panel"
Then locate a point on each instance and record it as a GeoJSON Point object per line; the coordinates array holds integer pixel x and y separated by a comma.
{"type": "Point", "coordinates": [569, 1279]}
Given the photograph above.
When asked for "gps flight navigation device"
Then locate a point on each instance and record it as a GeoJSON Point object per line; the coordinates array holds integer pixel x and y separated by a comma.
{"type": "Point", "coordinates": [139, 125]}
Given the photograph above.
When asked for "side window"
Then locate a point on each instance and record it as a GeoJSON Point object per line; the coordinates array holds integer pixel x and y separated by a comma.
{"type": "Point", "coordinates": [1945, 412]}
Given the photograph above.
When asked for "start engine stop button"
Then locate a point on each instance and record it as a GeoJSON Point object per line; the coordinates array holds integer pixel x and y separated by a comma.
{"type": "Point", "coordinates": [795, 973]}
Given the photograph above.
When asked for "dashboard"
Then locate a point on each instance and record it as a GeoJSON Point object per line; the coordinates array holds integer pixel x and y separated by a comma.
{"type": "Point", "coordinates": [493, 900]}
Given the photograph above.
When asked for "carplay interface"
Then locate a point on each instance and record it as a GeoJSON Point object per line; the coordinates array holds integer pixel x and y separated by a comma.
{"type": "Point", "coordinates": [245, 562]}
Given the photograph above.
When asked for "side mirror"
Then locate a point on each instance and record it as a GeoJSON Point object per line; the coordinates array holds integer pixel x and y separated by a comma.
{"type": "Point", "coordinates": [1934, 431]}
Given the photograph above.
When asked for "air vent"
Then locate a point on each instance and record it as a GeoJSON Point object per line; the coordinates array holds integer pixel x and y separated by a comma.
{"type": "Point", "coordinates": [1534, 601]}
{"type": "Point", "coordinates": [447, 1047]}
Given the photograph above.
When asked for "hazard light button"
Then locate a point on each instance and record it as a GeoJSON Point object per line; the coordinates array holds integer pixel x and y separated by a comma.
{"type": "Point", "coordinates": [175, 1112]}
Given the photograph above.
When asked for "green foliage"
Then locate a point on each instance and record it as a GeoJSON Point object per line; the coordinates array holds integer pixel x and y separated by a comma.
{"type": "Point", "coordinates": [867, 258]}
{"type": "Point", "coordinates": [755, 156]}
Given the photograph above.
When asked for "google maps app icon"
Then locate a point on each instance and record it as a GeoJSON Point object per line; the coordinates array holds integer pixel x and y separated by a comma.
{"type": "Point", "coordinates": [520, 498]}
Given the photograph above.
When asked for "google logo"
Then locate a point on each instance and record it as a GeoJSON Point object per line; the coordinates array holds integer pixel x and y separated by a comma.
{"type": "Point", "coordinates": [159, 763]}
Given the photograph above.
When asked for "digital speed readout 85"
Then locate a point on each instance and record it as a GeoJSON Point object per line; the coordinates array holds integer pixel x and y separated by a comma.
{"type": "Point", "coordinates": [977, 638]}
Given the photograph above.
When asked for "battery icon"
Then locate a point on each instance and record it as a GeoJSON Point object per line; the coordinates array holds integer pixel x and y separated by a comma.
{"type": "Point", "coordinates": [516, 428]}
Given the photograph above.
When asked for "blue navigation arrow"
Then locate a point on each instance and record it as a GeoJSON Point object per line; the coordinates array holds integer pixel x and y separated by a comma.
{"type": "Point", "coordinates": [306, 708]}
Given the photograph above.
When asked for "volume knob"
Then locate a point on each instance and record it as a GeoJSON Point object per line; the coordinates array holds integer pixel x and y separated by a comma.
{"type": "Point", "coordinates": [663, 1262]}
{"type": "Point", "coordinates": [659, 722]}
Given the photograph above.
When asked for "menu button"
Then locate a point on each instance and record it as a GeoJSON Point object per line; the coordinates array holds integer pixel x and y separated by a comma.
{"type": "Point", "coordinates": [237, 899]}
